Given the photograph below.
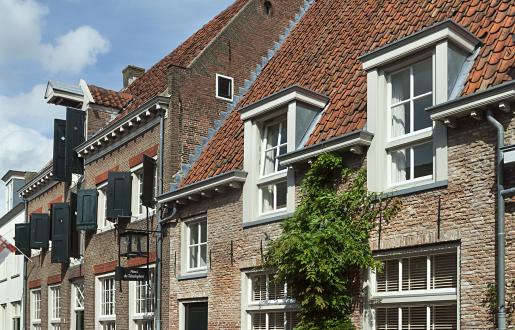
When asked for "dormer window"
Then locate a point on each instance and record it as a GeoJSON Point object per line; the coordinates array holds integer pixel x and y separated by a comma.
{"type": "Point", "coordinates": [275, 126]}
{"type": "Point", "coordinates": [405, 78]}
{"type": "Point", "coordinates": [224, 87]}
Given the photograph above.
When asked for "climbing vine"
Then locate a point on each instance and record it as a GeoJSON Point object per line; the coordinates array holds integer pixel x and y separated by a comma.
{"type": "Point", "coordinates": [490, 301]}
{"type": "Point", "coordinates": [324, 246]}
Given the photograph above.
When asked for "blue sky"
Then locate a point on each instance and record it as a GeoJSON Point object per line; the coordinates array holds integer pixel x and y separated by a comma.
{"type": "Point", "coordinates": [68, 40]}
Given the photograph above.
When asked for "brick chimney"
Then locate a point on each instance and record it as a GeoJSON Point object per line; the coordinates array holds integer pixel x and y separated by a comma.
{"type": "Point", "coordinates": [131, 73]}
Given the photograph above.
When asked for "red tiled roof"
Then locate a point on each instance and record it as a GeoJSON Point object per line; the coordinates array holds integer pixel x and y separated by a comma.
{"type": "Point", "coordinates": [322, 53]}
{"type": "Point", "coordinates": [154, 80]}
{"type": "Point", "coordinates": [109, 98]}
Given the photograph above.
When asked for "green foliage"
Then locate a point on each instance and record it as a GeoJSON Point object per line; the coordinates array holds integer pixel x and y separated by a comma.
{"type": "Point", "coordinates": [324, 247]}
{"type": "Point", "coordinates": [490, 301]}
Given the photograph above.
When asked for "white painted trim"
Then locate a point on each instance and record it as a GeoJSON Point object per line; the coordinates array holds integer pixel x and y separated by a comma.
{"type": "Point", "coordinates": [133, 316]}
{"type": "Point", "coordinates": [232, 88]}
{"type": "Point", "coordinates": [185, 238]}
{"type": "Point", "coordinates": [98, 301]}
{"type": "Point", "coordinates": [182, 310]}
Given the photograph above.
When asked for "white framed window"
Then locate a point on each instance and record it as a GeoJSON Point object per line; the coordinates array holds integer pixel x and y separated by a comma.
{"type": "Point", "coordinates": [410, 147]}
{"type": "Point", "coordinates": [194, 314]}
{"type": "Point", "coordinates": [195, 244]}
{"type": "Point", "coordinates": [3, 316]}
{"type": "Point", "coordinates": [269, 304]}
{"type": "Point", "coordinates": [416, 289]}
{"type": "Point", "coordinates": [224, 87]}
{"type": "Point", "coordinates": [277, 125]}
{"type": "Point", "coordinates": [35, 309]}
{"type": "Point", "coordinates": [272, 182]}
{"type": "Point", "coordinates": [105, 307]}
{"type": "Point", "coordinates": [77, 305]}
{"type": "Point", "coordinates": [102, 222]}
{"type": "Point", "coordinates": [16, 315]}
{"type": "Point", "coordinates": [54, 307]}
{"type": "Point", "coordinates": [139, 211]}
{"type": "Point", "coordinates": [403, 79]}
{"type": "Point", "coordinates": [141, 302]}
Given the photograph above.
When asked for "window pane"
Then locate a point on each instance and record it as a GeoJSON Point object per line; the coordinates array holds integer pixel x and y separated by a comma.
{"type": "Point", "coordinates": [388, 279]}
{"type": "Point", "coordinates": [224, 87]}
{"type": "Point", "coordinates": [258, 287]}
{"type": "Point", "coordinates": [194, 233]}
{"type": "Point", "coordinates": [401, 119]}
{"type": "Point", "coordinates": [193, 257]}
{"type": "Point", "coordinates": [414, 318]}
{"type": "Point", "coordinates": [275, 289]}
{"type": "Point", "coordinates": [400, 86]}
{"type": "Point", "coordinates": [282, 151]}
{"type": "Point", "coordinates": [387, 318]}
{"type": "Point", "coordinates": [444, 317]}
{"type": "Point", "coordinates": [267, 193]}
{"type": "Point", "coordinates": [281, 194]}
{"type": "Point", "coordinates": [203, 255]}
{"type": "Point", "coordinates": [203, 232]}
{"type": "Point", "coordinates": [292, 320]}
{"type": "Point", "coordinates": [423, 77]}
{"type": "Point", "coordinates": [423, 155]}
{"type": "Point", "coordinates": [422, 118]}
{"type": "Point", "coordinates": [444, 271]}
{"type": "Point", "coordinates": [276, 321]}
{"type": "Point", "coordinates": [272, 136]}
{"type": "Point", "coordinates": [414, 273]}
{"type": "Point", "coordinates": [401, 165]}
{"type": "Point", "coordinates": [270, 158]}
{"type": "Point", "coordinates": [259, 321]}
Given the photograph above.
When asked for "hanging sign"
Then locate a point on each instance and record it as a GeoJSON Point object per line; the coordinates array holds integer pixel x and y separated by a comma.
{"type": "Point", "coordinates": [131, 274]}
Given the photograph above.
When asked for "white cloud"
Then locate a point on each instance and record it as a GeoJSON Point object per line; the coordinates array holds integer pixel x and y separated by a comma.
{"type": "Point", "coordinates": [21, 25]}
{"type": "Point", "coordinates": [30, 110]}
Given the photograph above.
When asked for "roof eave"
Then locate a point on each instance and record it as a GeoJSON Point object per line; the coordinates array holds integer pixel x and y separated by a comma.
{"type": "Point", "coordinates": [500, 95]}
{"type": "Point", "coordinates": [352, 141]}
{"type": "Point", "coordinates": [205, 188]}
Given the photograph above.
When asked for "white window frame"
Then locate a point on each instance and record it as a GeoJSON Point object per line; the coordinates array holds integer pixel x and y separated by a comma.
{"type": "Point", "coordinates": [400, 298]}
{"type": "Point", "coordinates": [185, 255]}
{"type": "Point", "coordinates": [35, 308]}
{"type": "Point", "coordinates": [99, 317]}
{"type": "Point", "coordinates": [102, 223]}
{"type": "Point", "coordinates": [16, 313]}
{"type": "Point", "coordinates": [250, 307]}
{"type": "Point", "coordinates": [134, 316]}
{"type": "Point", "coordinates": [232, 87]}
{"type": "Point", "coordinates": [414, 138]}
{"type": "Point", "coordinates": [54, 306]}
{"type": "Point", "coordinates": [74, 305]}
{"type": "Point", "coordinates": [138, 209]}
{"type": "Point", "coordinates": [182, 310]}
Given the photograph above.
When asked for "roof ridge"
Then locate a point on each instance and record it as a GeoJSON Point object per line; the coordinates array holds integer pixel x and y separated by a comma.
{"type": "Point", "coordinates": [185, 167]}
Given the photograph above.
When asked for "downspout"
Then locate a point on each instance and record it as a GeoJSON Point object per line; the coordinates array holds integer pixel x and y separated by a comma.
{"type": "Point", "coordinates": [25, 276]}
{"type": "Point", "coordinates": [159, 243]}
{"type": "Point", "coordinates": [501, 237]}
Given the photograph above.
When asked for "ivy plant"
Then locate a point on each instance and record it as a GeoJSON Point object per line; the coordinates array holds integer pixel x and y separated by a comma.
{"type": "Point", "coordinates": [324, 247]}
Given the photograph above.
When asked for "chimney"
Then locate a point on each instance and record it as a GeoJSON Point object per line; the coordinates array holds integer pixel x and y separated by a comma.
{"type": "Point", "coordinates": [131, 73]}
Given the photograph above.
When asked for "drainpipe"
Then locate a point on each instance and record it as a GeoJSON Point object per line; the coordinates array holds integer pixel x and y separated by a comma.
{"type": "Point", "coordinates": [25, 276]}
{"type": "Point", "coordinates": [159, 243]}
{"type": "Point", "coordinates": [500, 267]}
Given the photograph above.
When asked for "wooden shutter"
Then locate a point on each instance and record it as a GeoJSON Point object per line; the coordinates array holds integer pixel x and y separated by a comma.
{"type": "Point", "coordinates": [74, 237]}
{"type": "Point", "coordinates": [444, 317]}
{"type": "Point", "coordinates": [87, 209]}
{"type": "Point", "coordinates": [119, 192]}
{"type": "Point", "coordinates": [74, 137]}
{"type": "Point", "coordinates": [147, 193]}
{"type": "Point", "coordinates": [444, 271]}
{"type": "Point", "coordinates": [60, 233]}
{"type": "Point", "coordinates": [39, 230]}
{"type": "Point", "coordinates": [414, 273]}
{"type": "Point", "coordinates": [59, 158]}
{"type": "Point", "coordinates": [22, 238]}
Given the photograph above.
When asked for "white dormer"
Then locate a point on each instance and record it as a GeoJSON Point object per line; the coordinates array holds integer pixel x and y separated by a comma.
{"type": "Point", "coordinates": [14, 180]}
{"type": "Point", "coordinates": [404, 78]}
{"type": "Point", "coordinates": [274, 126]}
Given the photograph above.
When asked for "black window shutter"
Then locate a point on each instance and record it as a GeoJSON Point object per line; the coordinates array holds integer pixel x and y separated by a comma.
{"type": "Point", "coordinates": [39, 230]}
{"type": "Point", "coordinates": [59, 159]}
{"type": "Point", "coordinates": [119, 188]}
{"type": "Point", "coordinates": [149, 169]}
{"type": "Point", "coordinates": [60, 233]}
{"type": "Point", "coordinates": [87, 209]}
{"type": "Point", "coordinates": [22, 238]}
{"type": "Point", "coordinates": [73, 233]}
{"type": "Point", "coordinates": [74, 137]}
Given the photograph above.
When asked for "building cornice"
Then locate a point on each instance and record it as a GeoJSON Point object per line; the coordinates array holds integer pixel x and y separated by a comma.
{"type": "Point", "coordinates": [41, 180]}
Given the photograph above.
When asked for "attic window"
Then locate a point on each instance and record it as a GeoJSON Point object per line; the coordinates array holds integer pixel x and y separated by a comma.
{"type": "Point", "coordinates": [268, 8]}
{"type": "Point", "coordinates": [224, 87]}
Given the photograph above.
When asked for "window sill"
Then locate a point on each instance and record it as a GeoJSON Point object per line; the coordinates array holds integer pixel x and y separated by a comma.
{"type": "Point", "coordinates": [266, 219]}
{"type": "Point", "coordinates": [414, 188]}
{"type": "Point", "coordinates": [15, 275]}
{"type": "Point", "coordinates": [192, 276]}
